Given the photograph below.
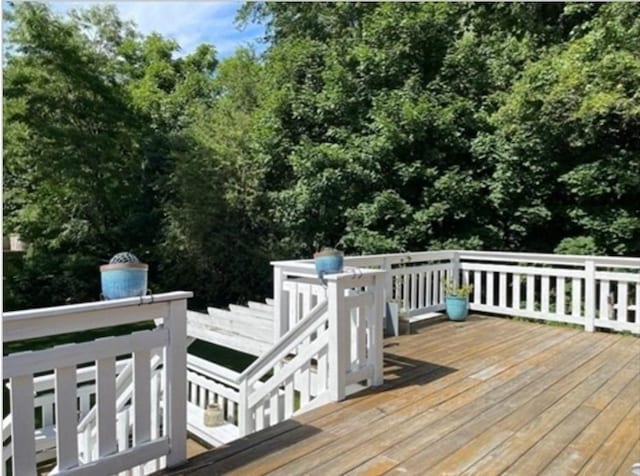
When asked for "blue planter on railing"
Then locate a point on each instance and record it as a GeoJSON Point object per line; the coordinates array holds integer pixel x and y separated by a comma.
{"type": "Point", "coordinates": [328, 261]}
{"type": "Point", "coordinates": [123, 279]}
{"type": "Point", "coordinates": [457, 307]}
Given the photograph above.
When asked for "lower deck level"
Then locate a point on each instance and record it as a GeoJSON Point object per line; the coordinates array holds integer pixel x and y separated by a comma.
{"type": "Point", "coordinates": [487, 396]}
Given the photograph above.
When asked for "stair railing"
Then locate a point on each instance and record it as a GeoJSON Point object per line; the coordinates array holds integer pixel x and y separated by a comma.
{"type": "Point", "coordinates": [332, 347]}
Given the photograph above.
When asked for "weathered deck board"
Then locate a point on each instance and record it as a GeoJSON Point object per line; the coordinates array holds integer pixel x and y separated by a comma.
{"type": "Point", "coordinates": [481, 397]}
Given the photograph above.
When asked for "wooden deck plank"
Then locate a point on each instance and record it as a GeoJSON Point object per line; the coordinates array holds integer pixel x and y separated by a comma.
{"type": "Point", "coordinates": [535, 460]}
{"type": "Point", "coordinates": [408, 421]}
{"type": "Point", "coordinates": [575, 455]}
{"type": "Point", "coordinates": [592, 377]}
{"type": "Point", "coordinates": [458, 430]}
{"type": "Point", "coordinates": [528, 417]}
{"type": "Point", "coordinates": [632, 458]}
{"type": "Point", "coordinates": [347, 419]}
{"type": "Point", "coordinates": [460, 397]}
{"type": "Point", "coordinates": [419, 376]}
{"type": "Point", "coordinates": [614, 450]}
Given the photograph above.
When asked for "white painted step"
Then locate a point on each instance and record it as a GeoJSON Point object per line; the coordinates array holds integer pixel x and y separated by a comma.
{"type": "Point", "coordinates": [251, 312]}
{"type": "Point", "coordinates": [261, 306]}
{"type": "Point", "coordinates": [250, 326]}
{"type": "Point", "coordinates": [202, 327]}
{"type": "Point", "coordinates": [215, 436]}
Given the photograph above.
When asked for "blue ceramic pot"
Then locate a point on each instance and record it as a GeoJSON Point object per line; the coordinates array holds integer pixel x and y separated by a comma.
{"type": "Point", "coordinates": [457, 307]}
{"type": "Point", "coordinates": [122, 280]}
{"type": "Point", "coordinates": [328, 262]}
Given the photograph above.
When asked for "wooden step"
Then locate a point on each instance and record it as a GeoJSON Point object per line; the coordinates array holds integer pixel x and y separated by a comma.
{"type": "Point", "coordinates": [250, 312]}
{"type": "Point", "coordinates": [252, 327]}
{"type": "Point", "coordinates": [202, 327]}
{"type": "Point", "coordinates": [215, 436]}
{"type": "Point", "coordinates": [407, 321]}
{"type": "Point", "coordinates": [261, 306]}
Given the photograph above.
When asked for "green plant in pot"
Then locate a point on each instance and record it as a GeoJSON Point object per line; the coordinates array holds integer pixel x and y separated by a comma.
{"type": "Point", "coordinates": [456, 299]}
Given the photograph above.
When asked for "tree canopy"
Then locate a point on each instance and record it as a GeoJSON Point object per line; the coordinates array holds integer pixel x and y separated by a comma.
{"type": "Point", "coordinates": [377, 127]}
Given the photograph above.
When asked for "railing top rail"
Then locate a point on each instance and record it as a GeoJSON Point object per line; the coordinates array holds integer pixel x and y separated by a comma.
{"type": "Point", "coordinates": [546, 258]}
{"type": "Point", "coordinates": [208, 368]}
{"type": "Point", "coordinates": [94, 306]}
{"type": "Point", "coordinates": [499, 256]}
{"type": "Point", "coordinates": [48, 321]}
{"type": "Point", "coordinates": [307, 269]}
{"type": "Point", "coordinates": [392, 258]}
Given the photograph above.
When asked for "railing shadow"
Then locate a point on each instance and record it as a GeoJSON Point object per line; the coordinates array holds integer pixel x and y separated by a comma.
{"type": "Point", "coordinates": [398, 371]}
{"type": "Point", "coordinates": [401, 371]}
{"type": "Point", "coordinates": [245, 450]}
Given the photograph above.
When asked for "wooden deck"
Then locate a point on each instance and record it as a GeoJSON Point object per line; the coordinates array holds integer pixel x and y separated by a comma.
{"type": "Point", "coordinates": [487, 396]}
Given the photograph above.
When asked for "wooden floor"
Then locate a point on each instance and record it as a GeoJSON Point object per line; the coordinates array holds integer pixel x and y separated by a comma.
{"type": "Point", "coordinates": [487, 396]}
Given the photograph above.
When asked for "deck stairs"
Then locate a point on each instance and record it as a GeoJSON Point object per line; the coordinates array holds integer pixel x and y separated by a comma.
{"type": "Point", "coordinates": [247, 329]}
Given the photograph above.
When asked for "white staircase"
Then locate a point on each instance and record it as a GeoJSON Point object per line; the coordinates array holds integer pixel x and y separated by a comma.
{"type": "Point", "coordinates": [247, 329]}
{"type": "Point", "coordinates": [330, 345]}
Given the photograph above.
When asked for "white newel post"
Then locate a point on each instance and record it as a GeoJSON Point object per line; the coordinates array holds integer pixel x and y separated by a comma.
{"type": "Point", "coordinates": [390, 315]}
{"type": "Point", "coordinates": [376, 351]}
{"type": "Point", "coordinates": [455, 269]}
{"type": "Point", "coordinates": [338, 344]}
{"type": "Point", "coordinates": [176, 383]}
{"type": "Point", "coordinates": [280, 304]}
{"type": "Point", "coordinates": [589, 295]}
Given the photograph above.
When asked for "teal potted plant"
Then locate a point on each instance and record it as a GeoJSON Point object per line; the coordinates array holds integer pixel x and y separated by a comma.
{"type": "Point", "coordinates": [456, 300]}
{"type": "Point", "coordinates": [328, 261]}
{"type": "Point", "coordinates": [124, 276]}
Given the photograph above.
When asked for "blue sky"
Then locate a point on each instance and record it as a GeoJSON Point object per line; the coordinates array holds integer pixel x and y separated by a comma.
{"type": "Point", "coordinates": [190, 23]}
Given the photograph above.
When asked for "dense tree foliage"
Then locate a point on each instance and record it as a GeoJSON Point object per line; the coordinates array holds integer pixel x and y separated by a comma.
{"type": "Point", "coordinates": [378, 127]}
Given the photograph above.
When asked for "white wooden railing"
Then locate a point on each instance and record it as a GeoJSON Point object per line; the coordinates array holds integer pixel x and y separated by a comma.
{"type": "Point", "coordinates": [211, 383]}
{"type": "Point", "coordinates": [44, 407]}
{"type": "Point", "coordinates": [412, 281]}
{"type": "Point", "coordinates": [88, 427]}
{"type": "Point", "coordinates": [591, 291]}
{"type": "Point", "coordinates": [332, 345]}
{"type": "Point", "coordinates": [140, 440]}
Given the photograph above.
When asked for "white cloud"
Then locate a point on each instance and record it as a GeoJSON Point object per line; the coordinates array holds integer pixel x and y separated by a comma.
{"type": "Point", "coordinates": [189, 23]}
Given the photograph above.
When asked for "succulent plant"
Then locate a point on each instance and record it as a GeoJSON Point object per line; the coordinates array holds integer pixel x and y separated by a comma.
{"type": "Point", "coordinates": [124, 257]}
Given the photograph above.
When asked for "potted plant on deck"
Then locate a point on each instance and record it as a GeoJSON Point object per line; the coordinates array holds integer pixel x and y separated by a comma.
{"type": "Point", "coordinates": [456, 300]}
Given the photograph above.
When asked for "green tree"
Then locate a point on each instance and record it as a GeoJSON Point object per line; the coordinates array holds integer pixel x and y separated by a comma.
{"type": "Point", "coordinates": [215, 239]}
{"type": "Point", "coordinates": [566, 140]}
{"type": "Point", "coordinates": [86, 159]}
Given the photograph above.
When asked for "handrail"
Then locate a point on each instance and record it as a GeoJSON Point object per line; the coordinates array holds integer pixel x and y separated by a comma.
{"type": "Point", "coordinates": [44, 322]}
{"type": "Point", "coordinates": [93, 306]}
{"type": "Point", "coordinates": [279, 350]}
{"type": "Point", "coordinates": [392, 258]}
{"type": "Point", "coordinates": [206, 367]}
{"type": "Point", "coordinates": [542, 258]}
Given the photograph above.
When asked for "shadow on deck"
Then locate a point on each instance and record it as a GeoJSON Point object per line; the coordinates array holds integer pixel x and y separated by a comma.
{"type": "Point", "coordinates": [487, 396]}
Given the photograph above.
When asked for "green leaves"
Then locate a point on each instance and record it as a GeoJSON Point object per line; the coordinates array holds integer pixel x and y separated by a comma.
{"type": "Point", "coordinates": [381, 127]}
